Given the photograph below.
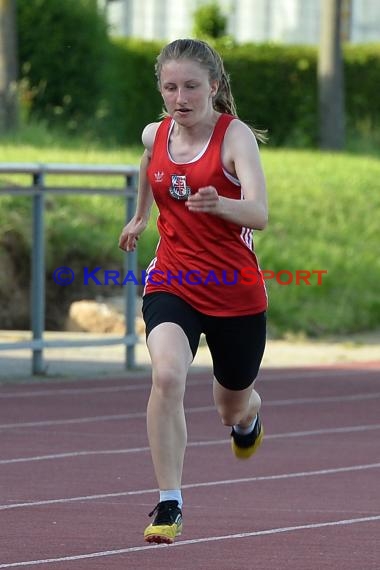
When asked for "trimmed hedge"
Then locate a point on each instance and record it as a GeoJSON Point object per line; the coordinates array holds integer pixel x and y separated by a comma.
{"type": "Point", "coordinates": [134, 99]}
{"type": "Point", "coordinates": [73, 75]}
{"type": "Point", "coordinates": [64, 52]}
{"type": "Point", "coordinates": [275, 88]}
{"type": "Point", "coordinates": [362, 80]}
{"type": "Point", "coordinates": [260, 75]}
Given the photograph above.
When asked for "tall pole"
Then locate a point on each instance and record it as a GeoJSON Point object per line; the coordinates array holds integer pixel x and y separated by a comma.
{"type": "Point", "coordinates": [8, 65]}
{"type": "Point", "coordinates": [331, 78]}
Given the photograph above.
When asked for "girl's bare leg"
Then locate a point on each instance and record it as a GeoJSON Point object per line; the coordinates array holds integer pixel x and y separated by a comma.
{"type": "Point", "coordinates": [171, 357]}
{"type": "Point", "coordinates": [236, 407]}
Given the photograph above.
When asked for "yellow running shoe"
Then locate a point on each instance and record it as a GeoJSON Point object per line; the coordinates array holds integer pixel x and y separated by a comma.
{"type": "Point", "coordinates": [166, 525]}
{"type": "Point", "coordinates": [243, 446]}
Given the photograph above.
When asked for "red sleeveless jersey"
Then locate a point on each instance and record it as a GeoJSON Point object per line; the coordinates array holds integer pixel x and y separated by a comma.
{"type": "Point", "coordinates": [201, 258]}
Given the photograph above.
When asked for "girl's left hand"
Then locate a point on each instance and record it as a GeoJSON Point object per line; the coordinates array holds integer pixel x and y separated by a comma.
{"type": "Point", "coordinates": [205, 200]}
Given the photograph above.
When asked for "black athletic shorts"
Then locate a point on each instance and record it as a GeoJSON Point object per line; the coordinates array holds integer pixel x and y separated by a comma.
{"type": "Point", "coordinates": [236, 343]}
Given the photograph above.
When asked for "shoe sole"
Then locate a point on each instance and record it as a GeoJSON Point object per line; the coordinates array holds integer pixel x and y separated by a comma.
{"type": "Point", "coordinates": [166, 535]}
{"type": "Point", "coordinates": [247, 452]}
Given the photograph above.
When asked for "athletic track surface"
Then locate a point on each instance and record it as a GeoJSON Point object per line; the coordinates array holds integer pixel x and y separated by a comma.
{"type": "Point", "coordinates": [76, 478]}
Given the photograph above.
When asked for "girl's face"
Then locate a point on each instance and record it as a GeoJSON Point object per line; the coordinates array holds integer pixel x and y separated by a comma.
{"type": "Point", "coordinates": [187, 91]}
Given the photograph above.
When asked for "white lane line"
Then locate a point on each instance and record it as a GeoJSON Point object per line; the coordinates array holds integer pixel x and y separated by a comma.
{"type": "Point", "coordinates": [298, 474]}
{"type": "Point", "coordinates": [200, 409]}
{"type": "Point", "coordinates": [87, 391]}
{"type": "Point", "coordinates": [90, 419]}
{"type": "Point", "coordinates": [86, 420]}
{"type": "Point", "coordinates": [294, 375]}
{"type": "Point", "coordinates": [306, 433]}
{"type": "Point", "coordinates": [179, 543]}
{"type": "Point", "coordinates": [323, 399]}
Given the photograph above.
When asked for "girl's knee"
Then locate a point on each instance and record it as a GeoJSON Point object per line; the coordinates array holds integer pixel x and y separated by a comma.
{"type": "Point", "coordinates": [169, 381]}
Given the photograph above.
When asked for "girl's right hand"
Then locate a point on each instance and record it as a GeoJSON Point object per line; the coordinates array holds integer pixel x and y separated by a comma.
{"type": "Point", "coordinates": [131, 233]}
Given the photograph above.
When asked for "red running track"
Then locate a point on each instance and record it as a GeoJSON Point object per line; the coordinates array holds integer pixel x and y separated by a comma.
{"type": "Point", "coordinates": [76, 479]}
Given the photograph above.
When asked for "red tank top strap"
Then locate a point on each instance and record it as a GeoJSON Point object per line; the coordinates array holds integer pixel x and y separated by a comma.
{"type": "Point", "coordinates": [162, 131]}
{"type": "Point", "coordinates": [217, 135]}
{"type": "Point", "coordinates": [221, 127]}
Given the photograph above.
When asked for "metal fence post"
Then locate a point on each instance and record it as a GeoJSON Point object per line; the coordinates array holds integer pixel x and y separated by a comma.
{"type": "Point", "coordinates": [130, 264]}
{"type": "Point", "coordinates": [37, 190]}
{"type": "Point", "coordinates": [38, 273]}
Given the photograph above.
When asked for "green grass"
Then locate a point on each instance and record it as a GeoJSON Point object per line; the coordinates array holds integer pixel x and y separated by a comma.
{"type": "Point", "coordinates": [324, 215]}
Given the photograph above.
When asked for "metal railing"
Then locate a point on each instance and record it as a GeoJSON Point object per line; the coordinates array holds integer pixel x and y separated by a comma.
{"type": "Point", "coordinates": [37, 191]}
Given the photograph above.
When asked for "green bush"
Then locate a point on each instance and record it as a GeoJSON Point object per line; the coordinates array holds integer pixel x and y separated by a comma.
{"type": "Point", "coordinates": [73, 75]}
{"type": "Point", "coordinates": [260, 76]}
{"type": "Point", "coordinates": [362, 77]}
{"type": "Point", "coordinates": [63, 52]}
{"type": "Point", "coordinates": [135, 99]}
{"type": "Point", "coordinates": [275, 88]}
{"type": "Point", "coordinates": [209, 21]}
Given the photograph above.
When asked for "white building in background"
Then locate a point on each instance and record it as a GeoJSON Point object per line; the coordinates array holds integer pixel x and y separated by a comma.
{"type": "Point", "coordinates": [281, 21]}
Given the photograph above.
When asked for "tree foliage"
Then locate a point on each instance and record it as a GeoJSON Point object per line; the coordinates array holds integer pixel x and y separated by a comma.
{"type": "Point", "coordinates": [63, 54]}
{"type": "Point", "coordinates": [209, 21]}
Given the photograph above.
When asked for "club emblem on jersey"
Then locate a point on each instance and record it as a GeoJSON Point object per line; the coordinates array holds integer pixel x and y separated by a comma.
{"type": "Point", "coordinates": [179, 190]}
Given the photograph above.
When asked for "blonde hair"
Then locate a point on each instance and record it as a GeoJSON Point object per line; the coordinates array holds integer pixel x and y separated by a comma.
{"type": "Point", "coordinates": [209, 59]}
